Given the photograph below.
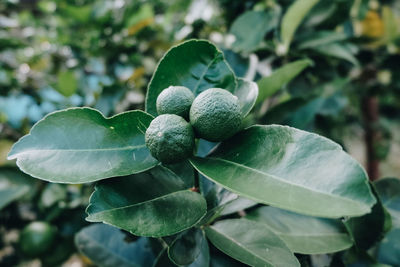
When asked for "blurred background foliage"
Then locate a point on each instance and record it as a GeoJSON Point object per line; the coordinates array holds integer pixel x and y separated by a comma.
{"type": "Point", "coordinates": [330, 67]}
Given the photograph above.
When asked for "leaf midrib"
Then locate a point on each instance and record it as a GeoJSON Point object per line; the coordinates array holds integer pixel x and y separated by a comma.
{"type": "Point", "coordinates": [283, 181]}
{"type": "Point", "coordinates": [239, 244]}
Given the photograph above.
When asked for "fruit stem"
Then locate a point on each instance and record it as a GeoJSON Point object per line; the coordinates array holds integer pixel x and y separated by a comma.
{"type": "Point", "coordinates": [196, 179]}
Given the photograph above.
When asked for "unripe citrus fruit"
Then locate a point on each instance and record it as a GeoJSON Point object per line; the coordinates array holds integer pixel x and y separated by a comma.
{"type": "Point", "coordinates": [170, 138]}
{"type": "Point", "coordinates": [175, 100]}
{"type": "Point", "coordinates": [36, 238]}
{"type": "Point", "coordinates": [215, 114]}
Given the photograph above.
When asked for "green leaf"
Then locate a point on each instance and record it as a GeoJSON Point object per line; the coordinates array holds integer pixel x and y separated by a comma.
{"type": "Point", "coordinates": [316, 39]}
{"type": "Point", "coordinates": [271, 84]}
{"type": "Point", "coordinates": [13, 185]}
{"type": "Point", "coordinates": [389, 249]}
{"type": "Point", "coordinates": [196, 64]}
{"type": "Point", "coordinates": [292, 19]}
{"type": "Point", "coordinates": [369, 229]}
{"type": "Point", "coordinates": [79, 145]}
{"type": "Point", "coordinates": [304, 234]}
{"type": "Point", "coordinates": [187, 247]}
{"type": "Point", "coordinates": [237, 205]}
{"type": "Point", "coordinates": [388, 190]}
{"type": "Point", "coordinates": [106, 246]}
{"type": "Point", "coordinates": [251, 27]}
{"type": "Point", "coordinates": [250, 242]}
{"type": "Point", "coordinates": [247, 92]}
{"type": "Point", "coordinates": [337, 50]}
{"type": "Point", "coordinates": [146, 204]}
{"type": "Point", "coordinates": [67, 83]}
{"type": "Point", "coordinates": [290, 169]}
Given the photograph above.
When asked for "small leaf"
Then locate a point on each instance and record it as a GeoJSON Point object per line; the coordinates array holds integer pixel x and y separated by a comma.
{"type": "Point", "coordinates": [247, 92]}
{"type": "Point", "coordinates": [187, 247]}
{"type": "Point", "coordinates": [292, 19]}
{"type": "Point", "coordinates": [304, 234]}
{"type": "Point", "coordinates": [251, 243]}
{"type": "Point", "coordinates": [271, 84]}
{"type": "Point", "coordinates": [337, 50]}
{"type": "Point", "coordinates": [316, 39]}
{"type": "Point", "coordinates": [106, 246]}
{"type": "Point", "coordinates": [196, 64]}
{"type": "Point", "coordinates": [290, 169]}
{"type": "Point", "coordinates": [79, 145]}
{"type": "Point", "coordinates": [13, 185]}
{"type": "Point", "coordinates": [146, 204]}
{"type": "Point", "coordinates": [388, 190]}
{"type": "Point", "coordinates": [251, 27]}
{"type": "Point", "coordinates": [67, 83]}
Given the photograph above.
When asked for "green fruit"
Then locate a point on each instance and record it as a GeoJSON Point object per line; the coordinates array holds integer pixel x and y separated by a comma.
{"type": "Point", "coordinates": [215, 114]}
{"type": "Point", "coordinates": [175, 100]}
{"type": "Point", "coordinates": [36, 238]}
{"type": "Point", "coordinates": [170, 138]}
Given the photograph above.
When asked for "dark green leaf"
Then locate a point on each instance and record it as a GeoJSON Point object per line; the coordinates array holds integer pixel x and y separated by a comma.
{"type": "Point", "coordinates": [304, 234]}
{"type": "Point", "coordinates": [13, 185]}
{"type": "Point", "coordinates": [370, 228]}
{"type": "Point", "coordinates": [250, 242]}
{"type": "Point", "coordinates": [389, 249]}
{"type": "Point", "coordinates": [196, 64]}
{"type": "Point", "coordinates": [271, 84]}
{"type": "Point", "coordinates": [187, 247]}
{"type": "Point", "coordinates": [337, 50]}
{"type": "Point", "coordinates": [79, 145]}
{"type": "Point", "coordinates": [290, 169]}
{"type": "Point", "coordinates": [251, 27]}
{"type": "Point", "coordinates": [388, 190]}
{"type": "Point", "coordinates": [147, 204]}
{"type": "Point", "coordinates": [106, 246]}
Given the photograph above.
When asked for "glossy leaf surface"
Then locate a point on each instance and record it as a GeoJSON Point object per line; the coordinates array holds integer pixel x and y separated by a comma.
{"type": "Point", "coordinates": [196, 64]}
{"type": "Point", "coordinates": [389, 249]}
{"type": "Point", "coordinates": [79, 145]}
{"type": "Point", "coordinates": [251, 243]}
{"type": "Point", "coordinates": [247, 92]}
{"type": "Point", "coordinates": [304, 234]}
{"type": "Point", "coordinates": [290, 169]}
{"type": "Point", "coordinates": [106, 246]}
{"type": "Point", "coordinates": [250, 28]}
{"type": "Point", "coordinates": [146, 204]}
{"type": "Point", "coordinates": [271, 84]}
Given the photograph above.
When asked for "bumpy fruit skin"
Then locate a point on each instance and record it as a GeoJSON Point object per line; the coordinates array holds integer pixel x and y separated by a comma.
{"type": "Point", "coordinates": [170, 138]}
{"type": "Point", "coordinates": [37, 238]}
{"type": "Point", "coordinates": [215, 115]}
{"type": "Point", "coordinates": [175, 100]}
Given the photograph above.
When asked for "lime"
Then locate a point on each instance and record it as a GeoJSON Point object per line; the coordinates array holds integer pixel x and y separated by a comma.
{"type": "Point", "coordinates": [175, 100]}
{"type": "Point", "coordinates": [215, 114]}
{"type": "Point", "coordinates": [170, 138]}
{"type": "Point", "coordinates": [36, 238]}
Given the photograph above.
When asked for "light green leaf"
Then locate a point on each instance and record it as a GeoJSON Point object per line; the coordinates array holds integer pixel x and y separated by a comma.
{"type": "Point", "coordinates": [13, 185]}
{"type": "Point", "coordinates": [251, 27]}
{"type": "Point", "coordinates": [337, 50]}
{"type": "Point", "coordinates": [304, 234]}
{"type": "Point", "coordinates": [250, 242]}
{"type": "Point", "coordinates": [247, 92]}
{"type": "Point", "coordinates": [79, 145]}
{"type": "Point", "coordinates": [321, 38]}
{"type": "Point", "coordinates": [388, 190]}
{"type": "Point", "coordinates": [272, 84]}
{"type": "Point", "coordinates": [290, 169]}
{"type": "Point", "coordinates": [196, 64]}
{"type": "Point", "coordinates": [106, 246]}
{"type": "Point", "coordinates": [67, 83]}
{"type": "Point", "coordinates": [292, 19]}
{"type": "Point", "coordinates": [146, 204]}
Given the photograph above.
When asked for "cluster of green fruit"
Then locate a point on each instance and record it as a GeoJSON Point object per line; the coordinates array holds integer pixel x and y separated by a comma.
{"type": "Point", "coordinates": [213, 115]}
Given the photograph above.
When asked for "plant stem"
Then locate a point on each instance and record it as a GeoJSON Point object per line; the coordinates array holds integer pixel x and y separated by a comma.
{"type": "Point", "coordinates": [196, 179]}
